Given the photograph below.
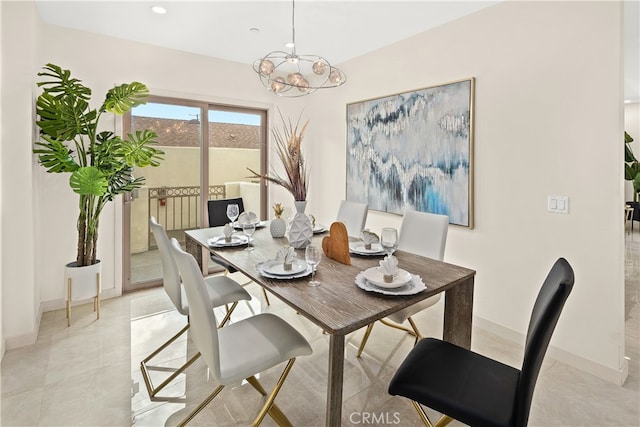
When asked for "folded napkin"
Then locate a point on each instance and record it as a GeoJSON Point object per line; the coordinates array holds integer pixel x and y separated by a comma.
{"type": "Point", "coordinates": [227, 231]}
{"type": "Point", "coordinates": [368, 238]}
{"type": "Point", "coordinates": [313, 221]}
{"type": "Point", "coordinates": [247, 217]}
{"type": "Point", "coordinates": [286, 254]}
{"type": "Point", "coordinates": [389, 267]}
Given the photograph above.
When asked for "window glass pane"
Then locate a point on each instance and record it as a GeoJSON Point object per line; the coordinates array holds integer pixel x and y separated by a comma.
{"type": "Point", "coordinates": [235, 141]}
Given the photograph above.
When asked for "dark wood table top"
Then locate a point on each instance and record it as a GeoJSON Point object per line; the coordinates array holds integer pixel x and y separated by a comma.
{"type": "Point", "coordinates": [338, 305]}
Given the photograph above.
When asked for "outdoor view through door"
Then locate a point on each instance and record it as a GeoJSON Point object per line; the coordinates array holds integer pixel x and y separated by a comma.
{"type": "Point", "coordinates": [191, 173]}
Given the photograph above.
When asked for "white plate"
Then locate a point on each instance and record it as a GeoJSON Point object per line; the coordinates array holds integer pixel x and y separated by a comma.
{"type": "Point", "coordinates": [274, 276]}
{"type": "Point", "coordinates": [358, 248]}
{"type": "Point", "coordinates": [375, 276]}
{"type": "Point", "coordinates": [236, 240]}
{"type": "Point", "coordinates": [258, 223]}
{"type": "Point", "coordinates": [319, 229]}
{"type": "Point", "coordinates": [415, 286]}
{"type": "Point", "coordinates": [277, 268]}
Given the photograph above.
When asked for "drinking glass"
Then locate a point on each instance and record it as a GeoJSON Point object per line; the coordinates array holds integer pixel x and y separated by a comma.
{"type": "Point", "coordinates": [389, 239]}
{"type": "Point", "coordinates": [248, 228]}
{"type": "Point", "coordinates": [233, 212]}
{"type": "Point", "coordinates": [313, 256]}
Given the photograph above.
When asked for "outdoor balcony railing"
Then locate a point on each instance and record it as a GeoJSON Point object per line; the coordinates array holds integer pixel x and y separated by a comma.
{"type": "Point", "coordinates": [178, 208]}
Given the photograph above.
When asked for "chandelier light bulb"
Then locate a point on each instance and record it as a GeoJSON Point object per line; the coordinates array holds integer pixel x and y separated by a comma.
{"type": "Point", "coordinates": [319, 67]}
{"type": "Point", "coordinates": [278, 84]}
{"type": "Point", "coordinates": [266, 67]}
{"type": "Point", "coordinates": [303, 85]}
{"type": "Point", "coordinates": [335, 76]}
{"type": "Point", "coordinates": [295, 79]}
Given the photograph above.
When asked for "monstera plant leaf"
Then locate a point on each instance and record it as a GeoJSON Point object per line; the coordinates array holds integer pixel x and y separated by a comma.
{"type": "Point", "coordinates": [138, 150]}
{"type": "Point", "coordinates": [55, 156]}
{"type": "Point", "coordinates": [123, 98]}
{"type": "Point", "coordinates": [88, 181]}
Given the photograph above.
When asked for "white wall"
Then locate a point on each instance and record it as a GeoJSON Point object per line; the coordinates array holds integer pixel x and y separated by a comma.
{"type": "Point", "coordinates": [547, 98]}
{"type": "Point", "coordinates": [547, 114]}
{"type": "Point", "coordinates": [20, 297]}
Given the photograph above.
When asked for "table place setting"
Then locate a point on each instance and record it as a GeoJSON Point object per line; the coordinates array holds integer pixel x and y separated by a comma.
{"type": "Point", "coordinates": [285, 266]}
{"type": "Point", "coordinates": [368, 245]}
{"type": "Point", "coordinates": [248, 218]}
{"type": "Point", "coordinates": [228, 239]}
{"type": "Point", "coordinates": [389, 279]}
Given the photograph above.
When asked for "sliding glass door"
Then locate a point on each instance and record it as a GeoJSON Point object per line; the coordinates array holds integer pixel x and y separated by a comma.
{"type": "Point", "coordinates": [208, 149]}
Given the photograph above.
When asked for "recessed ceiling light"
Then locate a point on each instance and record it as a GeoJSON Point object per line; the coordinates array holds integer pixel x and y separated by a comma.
{"type": "Point", "coordinates": [159, 10]}
{"type": "Point", "coordinates": [254, 30]}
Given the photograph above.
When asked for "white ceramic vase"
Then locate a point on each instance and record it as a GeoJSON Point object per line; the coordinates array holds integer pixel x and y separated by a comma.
{"type": "Point", "coordinates": [278, 227]}
{"type": "Point", "coordinates": [300, 229]}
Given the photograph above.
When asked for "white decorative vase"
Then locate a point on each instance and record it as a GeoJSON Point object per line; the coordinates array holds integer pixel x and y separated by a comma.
{"type": "Point", "coordinates": [82, 283]}
{"type": "Point", "coordinates": [278, 227]}
{"type": "Point", "coordinates": [300, 229]}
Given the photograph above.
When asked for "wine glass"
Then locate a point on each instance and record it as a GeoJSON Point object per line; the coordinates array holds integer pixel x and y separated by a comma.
{"type": "Point", "coordinates": [313, 256]}
{"type": "Point", "coordinates": [248, 228]}
{"type": "Point", "coordinates": [389, 239]}
{"type": "Point", "coordinates": [233, 212]}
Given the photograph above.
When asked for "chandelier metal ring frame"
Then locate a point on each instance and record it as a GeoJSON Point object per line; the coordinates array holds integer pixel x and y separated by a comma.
{"type": "Point", "coordinates": [292, 75]}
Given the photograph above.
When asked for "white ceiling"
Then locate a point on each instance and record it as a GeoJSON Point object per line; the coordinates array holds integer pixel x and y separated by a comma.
{"type": "Point", "coordinates": [337, 30]}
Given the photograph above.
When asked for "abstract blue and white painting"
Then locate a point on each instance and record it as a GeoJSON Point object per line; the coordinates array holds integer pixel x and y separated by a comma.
{"type": "Point", "coordinates": [414, 151]}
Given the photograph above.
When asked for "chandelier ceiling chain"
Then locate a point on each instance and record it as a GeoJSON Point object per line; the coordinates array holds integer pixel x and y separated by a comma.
{"type": "Point", "coordinates": [291, 75]}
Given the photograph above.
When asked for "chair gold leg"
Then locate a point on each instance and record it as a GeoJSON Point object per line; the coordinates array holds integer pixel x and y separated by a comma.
{"type": "Point", "coordinates": [266, 298]}
{"type": "Point", "coordinates": [69, 302]}
{"type": "Point", "coordinates": [201, 406]}
{"type": "Point", "coordinates": [423, 415]}
{"type": "Point", "coordinates": [415, 330]}
{"type": "Point", "coordinates": [145, 371]}
{"type": "Point", "coordinates": [443, 421]}
{"type": "Point", "coordinates": [274, 392]}
{"type": "Point", "coordinates": [96, 300]}
{"type": "Point", "coordinates": [256, 384]}
{"type": "Point", "coordinates": [396, 326]}
{"type": "Point", "coordinates": [364, 339]}
{"type": "Point", "coordinates": [227, 316]}
{"type": "Point", "coordinates": [274, 412]}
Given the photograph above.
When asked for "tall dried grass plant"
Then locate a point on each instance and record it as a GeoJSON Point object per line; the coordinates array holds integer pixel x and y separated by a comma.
{"type": "Point", "coordinates": [288, 145]}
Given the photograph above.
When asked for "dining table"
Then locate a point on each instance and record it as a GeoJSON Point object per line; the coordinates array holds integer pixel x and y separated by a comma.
{"type": "Point", "coordinates": [338, 305]}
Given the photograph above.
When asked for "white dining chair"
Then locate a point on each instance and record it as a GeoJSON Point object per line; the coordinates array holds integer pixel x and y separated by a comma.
{"type": "Point", "coordinates": [353, 215]}
{"type": "Point", "coordinates": [423, 234]}
{"type": "Point", "coordinates": [220, 290]}
{"type": "Point", "coordinates": [241, 350]}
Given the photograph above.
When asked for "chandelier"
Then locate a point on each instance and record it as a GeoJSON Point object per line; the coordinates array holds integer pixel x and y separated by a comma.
{"type": "Point", "coordinates": [292, 75]}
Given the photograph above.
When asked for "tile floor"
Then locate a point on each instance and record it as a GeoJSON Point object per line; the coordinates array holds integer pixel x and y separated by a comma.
{"type": "Point", "coordinates": [88, 374]}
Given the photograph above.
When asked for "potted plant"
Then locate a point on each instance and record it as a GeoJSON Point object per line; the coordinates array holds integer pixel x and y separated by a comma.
{"type": "Point", "coordinates": [288, 146]}
{"type": "Point", "coordinates": [100, 163]}
{"type": "Point", "coordinates": [631, 166]}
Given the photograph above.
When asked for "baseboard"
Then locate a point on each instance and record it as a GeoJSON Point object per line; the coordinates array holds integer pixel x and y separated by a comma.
{"type": "Point", "coordinates": [28, 338]}
{"type": "Point", "coordinates": [596, 369]}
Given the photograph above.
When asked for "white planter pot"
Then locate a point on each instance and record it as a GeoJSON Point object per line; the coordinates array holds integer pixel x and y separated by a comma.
{"type": "Point", "coordinates": [82, 283]}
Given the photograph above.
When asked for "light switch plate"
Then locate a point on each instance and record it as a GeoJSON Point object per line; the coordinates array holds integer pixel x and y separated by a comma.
{"type": "Point", "coordinates": [558, 204]}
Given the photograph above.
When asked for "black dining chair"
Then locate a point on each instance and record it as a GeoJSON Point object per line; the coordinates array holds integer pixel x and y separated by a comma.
{"type": "Point", "coordinates": [474, 389]}
{"type": "Point", "coordinates": [217, 211]}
